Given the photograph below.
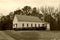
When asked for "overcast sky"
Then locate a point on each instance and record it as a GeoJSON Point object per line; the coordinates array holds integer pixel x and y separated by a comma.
{"type": "Point", "coordinates": [7, 6]}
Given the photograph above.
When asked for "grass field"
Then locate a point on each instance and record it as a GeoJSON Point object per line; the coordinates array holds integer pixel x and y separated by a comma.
{"type": "Point", "coordinates": [4, 36]}
{"type": "Point", "coordinates": [34, 35]}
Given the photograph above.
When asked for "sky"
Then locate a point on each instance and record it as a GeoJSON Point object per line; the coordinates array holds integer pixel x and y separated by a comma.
{"type": "Point", "coordinates": [7, 6]}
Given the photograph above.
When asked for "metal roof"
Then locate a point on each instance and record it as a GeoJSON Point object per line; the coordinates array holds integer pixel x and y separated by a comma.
{"type": "Point", "coordinates": [28, 18]}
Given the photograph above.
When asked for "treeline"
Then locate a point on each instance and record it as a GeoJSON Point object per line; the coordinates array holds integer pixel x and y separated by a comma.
{"type": "Point", "coordinates": [27, 10]}
{"type": "Point", "coordinates": [6, 22]}
{"type": "Point", "coordinates": [47, 14]}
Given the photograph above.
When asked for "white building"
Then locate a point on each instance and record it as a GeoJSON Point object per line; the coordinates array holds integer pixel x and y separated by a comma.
{"type": "Point", "coordinates": [21, 21]}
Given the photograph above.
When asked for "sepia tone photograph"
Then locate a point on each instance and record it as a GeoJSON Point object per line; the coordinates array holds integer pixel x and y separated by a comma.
{"type": "Point", "coordinates": [29, 19]}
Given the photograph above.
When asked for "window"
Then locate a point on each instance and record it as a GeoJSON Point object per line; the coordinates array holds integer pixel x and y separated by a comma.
{"type": "Point", "coordinates": [35, 25]}
{"type": "Point", "coordinates": [27, 25]}
{"type": "Point", "coordinates": [23, 25]}
{"type": "Point", "coordinates": [31, 25]}
{"type": "Point", "coordinates": [38, 25]}
{"type": "Point", "coordinates": [42, 25]}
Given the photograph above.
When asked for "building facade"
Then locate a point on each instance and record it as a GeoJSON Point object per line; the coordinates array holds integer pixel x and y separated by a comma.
{"type": "Point", "coordinates": [23, 21]}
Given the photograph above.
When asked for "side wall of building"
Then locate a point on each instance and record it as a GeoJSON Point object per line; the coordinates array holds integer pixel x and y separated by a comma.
{"type": "Point", "coordinates": [20, 24]}
{"type": "Point", "coordinates": [15, 21]}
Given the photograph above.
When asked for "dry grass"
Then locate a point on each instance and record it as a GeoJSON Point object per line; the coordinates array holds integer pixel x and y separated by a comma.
{"type": "Point", "coordinates": [34, 35]}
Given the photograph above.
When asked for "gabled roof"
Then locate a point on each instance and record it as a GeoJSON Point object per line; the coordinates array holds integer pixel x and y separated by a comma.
{"type": "Point", "coordinates": [27, 18]}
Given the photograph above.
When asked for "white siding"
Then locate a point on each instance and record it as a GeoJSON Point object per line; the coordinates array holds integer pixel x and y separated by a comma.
{"type": "Point", "coordinates": [15, 22]}
{"type": "Point", "coordinates": [41, 24]}
{"type": "Point", "coordinates": [19, 24]}
{"type": "Point", "coordinates": [25, 24]}
{"type": "Point", "coordinates": [48, 27]}
{"type": "Point", "coordinates": [33, 23]}
{"type": "Point", "coordinates": [29, 24]}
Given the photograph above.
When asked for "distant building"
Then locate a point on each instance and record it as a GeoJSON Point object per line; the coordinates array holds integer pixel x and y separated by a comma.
{"type": "Point", "coordinates": [23, 21]}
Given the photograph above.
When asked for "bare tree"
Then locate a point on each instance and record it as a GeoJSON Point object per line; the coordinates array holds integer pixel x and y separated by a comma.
{"type": "Point", "coordinates": [48, 13]}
